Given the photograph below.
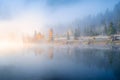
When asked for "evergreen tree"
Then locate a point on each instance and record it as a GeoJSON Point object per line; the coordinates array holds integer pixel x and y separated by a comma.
{"type": "Point", "coordinates": [111, 29]}
{"type": "Point", "coordinates": [105, 30]}
{"type": "Point", "coordinates": [119, 27]}
{"type": "Point", "coordinates": [75, 34]}
{"type": "Point", "coordinates": [68, 35]}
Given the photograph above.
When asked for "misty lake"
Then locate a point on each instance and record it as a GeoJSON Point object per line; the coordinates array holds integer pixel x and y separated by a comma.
{"type": "Point", "coordinates": [61, 63]}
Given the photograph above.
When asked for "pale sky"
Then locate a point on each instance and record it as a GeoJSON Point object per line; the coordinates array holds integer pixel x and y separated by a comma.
{"type": "Point", "coordinates": [25, 16]}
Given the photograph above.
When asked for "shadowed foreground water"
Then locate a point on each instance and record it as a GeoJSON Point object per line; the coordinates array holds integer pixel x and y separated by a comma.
{"type": "Point", "coordinates": [61, 63]}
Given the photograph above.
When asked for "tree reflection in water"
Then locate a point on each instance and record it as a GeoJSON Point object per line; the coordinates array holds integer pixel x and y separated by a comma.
{"type": "Point", "coordinates": [51, 52]}
{"type": "Point", "coordinates": [96, 62]}
{"type": "Point", "coordinates": [38, 51]}
{"type": "Point", "coordinates": [41, 50]}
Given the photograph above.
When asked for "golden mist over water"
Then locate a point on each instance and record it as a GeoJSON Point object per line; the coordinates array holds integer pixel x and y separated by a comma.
{"type": "Point", "coordinates": [10, 44]}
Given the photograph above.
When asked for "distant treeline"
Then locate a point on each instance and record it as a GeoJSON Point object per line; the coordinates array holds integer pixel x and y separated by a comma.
{"type": "Point", "coordinates": [107, 23]}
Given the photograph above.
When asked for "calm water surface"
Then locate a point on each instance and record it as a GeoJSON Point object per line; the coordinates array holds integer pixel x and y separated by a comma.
{"type": "Point", "coordinates": [61, 63]}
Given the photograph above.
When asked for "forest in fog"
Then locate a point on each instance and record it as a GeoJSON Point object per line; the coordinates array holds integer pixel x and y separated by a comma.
{"type": "Point", "coordinates": [107, 23]}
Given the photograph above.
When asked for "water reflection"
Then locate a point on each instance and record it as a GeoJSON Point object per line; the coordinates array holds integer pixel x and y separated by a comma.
{"type": "Point", "coordinates": [51, 52]}
{"type": "Point", "coordinates": [62, 62]}
{"type": "Point", "coordinates": [38, 51]}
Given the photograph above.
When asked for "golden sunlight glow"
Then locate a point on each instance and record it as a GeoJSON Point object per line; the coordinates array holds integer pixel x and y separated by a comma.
{"type": "Point", "coordinates": [8, 45]}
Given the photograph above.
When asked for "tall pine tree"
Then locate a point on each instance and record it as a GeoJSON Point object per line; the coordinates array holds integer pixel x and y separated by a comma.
{"type": "Point", "coordinates": [111, 29]}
